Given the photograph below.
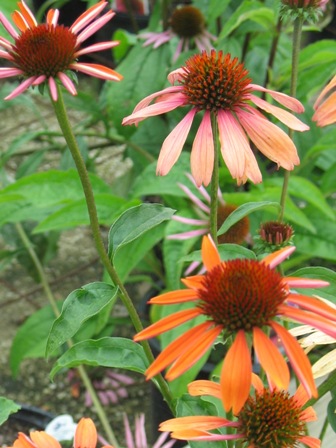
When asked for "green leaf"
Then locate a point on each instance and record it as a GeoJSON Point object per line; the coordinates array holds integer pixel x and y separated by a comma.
{"type": "Point", "coordinates": [76, 214]}
{"type": "Point", "coordinates": [78, 307]}
{"type": "Point", "coordinates": [243, 211]}
{"type": "Point", "coordinates": [30, 339]}
{"type": "Point", "coordinates": [320, 273]}
{"type": "Point", "coordinates": [7, 407]}
{"type": "Point", "coordinates": [216, 8]}
{"type": "Point", "coordinates": [249, 10]}
{"type": "Point", "coordinates": [331, 412]}
{"type": "Point", "coordinates": [134, 223]}
{"type": "Point", "coordinates": [107, 352]}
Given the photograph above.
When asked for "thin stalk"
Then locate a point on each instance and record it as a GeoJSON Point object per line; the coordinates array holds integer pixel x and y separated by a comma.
{"type": "Point", "coordinates": [81, 370]}
{"type": "Point", "coordinates": [297, 33]}
{"type": "Point", "coordinates": [271, 58]}
{"type": "Point", "coordinates": [214, 182]}
{"type": "Point", "coordinates": [64, 123]}
{"type": "Point", "coordinates": [324, 429]}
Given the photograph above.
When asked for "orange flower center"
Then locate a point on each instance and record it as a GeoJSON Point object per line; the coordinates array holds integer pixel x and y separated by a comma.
{"type": "Point", "coordinates": [215, 82]}
{"type": "Point", "coordinates": [241, 294]}
{"type": "Point", "coordinates": [187, 21]}
{"type": "Point", "coordinates": [238, 232]}
{"type": "Point", "coordinates": [45, 50]}
{"type": "Point", "coordinates": [272, 420]}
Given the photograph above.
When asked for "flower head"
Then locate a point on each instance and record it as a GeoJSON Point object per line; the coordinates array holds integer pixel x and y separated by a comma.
{"type": "Point", "coordinates": [218, 86]}
{"type": "Point", "coordinates": [45, 53]}
{"type": "Point", "coordinates": [187, 23]}
{"type": "Point", "coordinates": [85, 436]}
{"type": "Point", "coordinates": [273, 235]}
{"type": "Point", "coordinates": [307, 9]}
{"type": "Point", "coordinates": [272, 418]}
{"type": "Point", "coordinates": [325, 105]}
{"type": "Point", "coordinates": [241, 299]}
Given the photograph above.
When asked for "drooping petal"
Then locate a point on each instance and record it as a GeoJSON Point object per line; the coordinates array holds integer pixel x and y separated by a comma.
{"type": "Point", "coordinates": [173, 143]}
{"type": "Point", "coordinates": [167, 323]}
{"type": "Point", "coordinates": [176, 348]}
{"type": "Point", "coordinates": [199, 347]}
{"type": "Point", "coordinates": [41, 439]}
{"type": "Point", "coordinates": [52, 88]}
{"type": "Point", "coordinates": [178, 296]}
{"type": "Point", "coordinates": [310, 441]}
{"type": "Point", "coordinates": [324, 92]}
{"type": "Point", "coordinates": [285, 117]}
{"type": "Point", "coordinates": [86, 434]}
{"type": "Point", "coordinates": [271, 359]}
{"type": "Point", "coordinates": [7, 72]}
{"type": "Point", "coordinates": [210, 255]}
{"type": "Point", "coordinates": [286, 100]}
{"type": "Point", "coordinates": [272, 141]}
{"type": "Point", "coordinates": [297, 357]}
{"type": "Point", "coordinates": [68, 84]}
{"type": "Point", "coordinates": [205, 208]}
{"type": "Point", "coordinates": [205, 387]}
{"type": "Point", "coordinates": [203, 153]}
{"type": "Point", "coordinates": [326, 112]}
{"type": "Point", "coordinates": [97, 70]}
{"type": "Point", "coordinates": [21, 88]}
{"type": "Point", "coordinates": [165, 93]}
{"type": "Point", "coordinates": [8, 26]}
{"type": "Point", "coordinates": [23, 441]}
{"type": "Point", "coordinates": [236, 374]}
{"type": "Point", "coordinates": [313, 304]}
{"type": "Point", "coordinates": [274, 259]}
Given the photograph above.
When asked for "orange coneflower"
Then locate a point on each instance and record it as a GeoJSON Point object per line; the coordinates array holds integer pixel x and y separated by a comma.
{"type": "Point", "coordinates": [219, 85]}
{"type": "Point", "coordinates": [85, 436]}
{"type": "Point", "coordinates": [47, 53]}
{"type": "Point", "coordinates": [325, 105]}
{"type": "Point", "coordinates": [272, 418]}
{"type": "Point", "coordinates": [241, 299]}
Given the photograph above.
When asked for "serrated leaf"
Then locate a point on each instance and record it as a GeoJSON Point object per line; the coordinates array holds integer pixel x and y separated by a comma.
{"type": "Point", "coordinates": [78, 307]}
{"type": "Point", "coordinates": [7, 407]}
{"type": "Point", "coordinates": [243, 211]}
{"type": "Point", "coordinates": [107, 352]}
{"type": "Point", "coordinates": [134, 223]}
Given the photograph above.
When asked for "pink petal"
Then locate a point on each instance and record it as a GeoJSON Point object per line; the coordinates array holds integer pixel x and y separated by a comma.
{"type": "Point", "coordinates": [176, 76]}
{"type": "Point", "coordinates": [272, 141]}
{"type": "Point", "coordinates": [203, 152]}
{"type": "Point", "coordinates": [39, 80]}
{"type": "Point", "coordinates": [173, 144]}
{"type": "Point", "coordinates": [287, 118]}
{"type": "Point", "coordinates": [7, 72]}
{"type": "Point", "coordinates": [52, 17]}
{"type": "Point", "coordinates": [301, 282]}
{"type": "Point", "coordinates": [52, 88]}
{"type": "Point", "coordinates": [21, 88]}
{"type": "Point", "coordinates": [99, 71]}
{"type": "Point", "coordinates": [94, 27]}
{"type": "Point", "coordinates": [6, 44]}
{"type": "Point", "coordinates": [101, 46]}
{"type": "Point", "coordinates": [187, 235]}
{"type": "Point", "coordinates": [87, 17]}
{"type": "Point", "coordinates": [278, 257]}
{"type": "Point", "coordinates": [195, 199]}
{"type": "Point", "coordinates": [68, 84]}
{"type": "Point", "coordinates": [8, 26]}
{"type": "Point", "coordinates": [286, 100]}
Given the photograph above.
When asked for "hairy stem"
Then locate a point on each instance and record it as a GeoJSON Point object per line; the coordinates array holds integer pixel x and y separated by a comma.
{"type": "Point", "coordinates": [214, 182]}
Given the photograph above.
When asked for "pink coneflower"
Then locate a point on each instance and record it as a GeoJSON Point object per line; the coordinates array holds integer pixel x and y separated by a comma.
{"type": "Point", "coordinates": [45, 53]}
{"type": "Point", "coordinates": [187, 23]}
{"type": "Point", "coordinates": [325, 105]}
{"type": "Point", "coordinates": [218, 85]}
{"type": "Point", "coordinates": [271, 418]}
{"type": "Point", "coordinates": [240, 299]}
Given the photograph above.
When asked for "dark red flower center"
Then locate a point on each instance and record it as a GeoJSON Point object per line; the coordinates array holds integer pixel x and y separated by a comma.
{"type": "Point", "coordinates": [187, 21]}
{"type": "Point", "coordinates": [276, 233]}
{"type": "Point", "coordinates": [272, 420]}
{"type": "Point", "coordinates": [236, 233]}
{"type": "Point", "coordinates": [241, 294]}
{"type": "Point", "coordinates": [215, 81]}
{"type": "Point", "coordinates": [45, 50]}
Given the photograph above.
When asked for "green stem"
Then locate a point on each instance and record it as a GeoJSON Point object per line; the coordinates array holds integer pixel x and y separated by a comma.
{"type": "Point", "coordinates": [64, 123]}
{"type": "Point", "coordinates": [81, 370]}
{"type": "Point", "coordinates": [214, 182]}
{"type": "Point", "coordinates": [324, 429]}
{"type": "Point", "coordinates": [297, 33]}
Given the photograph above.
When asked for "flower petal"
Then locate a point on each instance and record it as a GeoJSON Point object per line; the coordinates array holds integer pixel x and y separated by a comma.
{"type": "Point", "coordinates": [297, 357]}
{"type": "Point", "coordinates": [167, 323]}
{"type": "Point", "coordinates": [312, 442]}
{"type": "Point", "coordinates": [41, 439]}
{"type": "Point", "coordinates": [94, 27]}
{"type": "Point", "coordinates": [203, 153]}
{"type": "Point", "coordinates": [314, 305]}
{"type": "Point", "coordinates": [87, 17]}
{"type": "Point", "coordinates": [302, 282]}
{"type": "Point", "coordinates": [27, 14]}
{"type": "Point", "coordinates": [326, 90]}
{"type": "Point", "coordinates": [86, 434]}
{"type": "Point", "coordinates": [286, 100]}
{"type": "Point", "coordinates": [21, 88]}
{"type": "Point", "coordinates": [278, 257]}
{"type": "Point", "coordinates": [97, 70]}
{"type": "Point", "coordinates": [271, 359]}
{"type": "Point", "coordinates": [326, 113]}
{"type": "Point", "coordinates": [236, 374]}
{"type": "Point", "coordinates": [179, 296]}
{"type": "Point", "coordinates": [173, 143]}
{"type": "Point", "coordinates": [210, 255]}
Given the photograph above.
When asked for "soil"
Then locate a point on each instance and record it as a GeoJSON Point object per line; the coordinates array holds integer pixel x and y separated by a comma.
{"type": "Point", "coordinates": [75, 265]}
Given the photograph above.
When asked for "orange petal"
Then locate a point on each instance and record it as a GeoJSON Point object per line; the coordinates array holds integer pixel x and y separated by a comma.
{"type": "Point", "coordinates": [257, 383]}
{"type": "Point", "coordinates": [195, 352]}
{"type": "Point", "coordinates": [205, 387]}
{"type": "Point", "coordinates": [179, 296]}
{"type": "Point", "coordinates": [41, 439]}
{"type": "Point", "coordinates": [312, 442]}
{"type": "Point", "coordinates": [308, 415]}
{"type": "Point", "coordinates": [193, 282]}
{"type": "Point", "coordinates": [19, 21]}
{"type": "Point", "coordinates": [210, 253]}
{"type": "Point", "coordinates": [236, 374]}
{"type": "Point", "coordinates": [278, 257]}
{"type": "Point", "coordinates": [167, 323]}
{"type": "Point", "coordinates": [86, 434]}
{"type": "Point", "coordinates": [313, 304]}
{"type": "Point", "coordinates": [298, 359]}
{"type": "Point", "coordinates": [23, 441]}
{"type": "Point", "coordinates": [271, 359]}
{"type": "Point", "coordinates": [176, 349]}
{"type": "Point", "coordinates": [202, 422]}
{"type": "Point", "coordinates": [27, 15]}
{"type": "Point", "coordinates": [203, 153]}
